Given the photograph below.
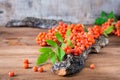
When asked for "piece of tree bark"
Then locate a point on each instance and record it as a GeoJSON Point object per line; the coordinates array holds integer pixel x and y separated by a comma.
{"type": "Point", "coordinates": [73, 64]}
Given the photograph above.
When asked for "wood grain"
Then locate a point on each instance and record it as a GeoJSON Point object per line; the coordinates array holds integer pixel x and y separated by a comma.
{"type": "Point", "coordinates": [19, 43]}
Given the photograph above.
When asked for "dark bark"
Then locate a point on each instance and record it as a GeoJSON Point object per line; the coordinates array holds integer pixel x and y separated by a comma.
{"type": "Point", "coordinates": [34, 22]}
{"type": "Point", "coordinates": [73, 64]}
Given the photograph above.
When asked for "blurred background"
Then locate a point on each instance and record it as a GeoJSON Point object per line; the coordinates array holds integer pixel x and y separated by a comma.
{"type": "Point", "coordinates": [82, 11]}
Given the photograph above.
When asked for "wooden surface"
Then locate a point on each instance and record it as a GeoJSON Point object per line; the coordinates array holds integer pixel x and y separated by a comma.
{"type": "Point", "coordinates": [19, 43]}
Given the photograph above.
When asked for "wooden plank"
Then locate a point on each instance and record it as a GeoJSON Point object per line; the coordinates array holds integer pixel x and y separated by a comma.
{"type": "Point", "coordinates": [19, 43]}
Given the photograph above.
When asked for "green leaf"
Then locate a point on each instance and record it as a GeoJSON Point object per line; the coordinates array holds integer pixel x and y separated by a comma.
{"type": "Point", "coordinates": [108, 30]}
{"type": "Point", "coordinates": [68, 38]}
{"type": "Point", "coordinates": [104, 17]}
{"type": "Point", "coordinates": [59, 37]}
{"type": "Point", "coordinates": [112, 15]}
{"type": "Point", "coordinates": [63, 45]}
{"type": "Point", "coordinates": [68, 32]}
{"type": "Point", "coordinates": [53, 57]}
{"type": "Point", "coordinates": [105, 34]}
{"type": "Point", "coordinates": [42, 58]}
{"type": "Point", "coordinates": [52, 43]}
{"type": "Point", "coordinates": [103, 14]}
{"type": "Point", "coordinates": [62, 54]}
{"type": "Point", "coordinates": [100, 20]}
{"type": "Point", "coordinates": [45, 50]}
{"type": "Point", "coordinates": [58, 53]}
{"type": "Point", "coordinates": [69, 43]}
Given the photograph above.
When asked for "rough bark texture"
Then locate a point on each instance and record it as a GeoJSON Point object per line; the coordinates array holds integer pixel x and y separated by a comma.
{"type": "Point", "coordinates": [73, 64]}
{"type": "Point", "coordinates": [34, 22]}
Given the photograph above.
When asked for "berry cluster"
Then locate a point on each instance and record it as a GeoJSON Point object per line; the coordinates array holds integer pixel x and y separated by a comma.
{"type": "Point", "coordinates": [116, 26]}
{"type": "Point", "coordinates": [80, 40]}
{"type": "Point", "coordinates": [107, 24]}
{"type": "Point", "coordinates": [96, 31]}
{"type": "Point", "coordinates": [42, 37]}
{"type": "Point", "coordinates": [117, 29]}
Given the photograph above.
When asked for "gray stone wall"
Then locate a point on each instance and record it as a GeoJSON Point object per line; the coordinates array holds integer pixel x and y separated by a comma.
{"type": "Point", "coordinates": [83, 11]}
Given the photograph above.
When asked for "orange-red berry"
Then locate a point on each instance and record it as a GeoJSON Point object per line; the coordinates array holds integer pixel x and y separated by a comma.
{"type": "Point", "coordinates": [35, 68]}
{"type": "Point", "coordinates": [11, 74]}
{"type": "Point", "coordinates": [26, 66]}
{"type": "Point", "coordinates": [26, 61]}
{"type": "Point", "coordinates": [92, 66]}
{"type": "Point", "coordinates": [40, 69]}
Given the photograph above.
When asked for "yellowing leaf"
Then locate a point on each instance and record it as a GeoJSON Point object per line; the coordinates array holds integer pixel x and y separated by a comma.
{"type": "Point", "coordinates": [68, 32]}
{"type": "Point", "coordinates": [108, 30]}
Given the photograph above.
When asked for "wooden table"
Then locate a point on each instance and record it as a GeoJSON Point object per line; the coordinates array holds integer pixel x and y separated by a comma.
{"type": "Point", "coordinates": [19, 43]}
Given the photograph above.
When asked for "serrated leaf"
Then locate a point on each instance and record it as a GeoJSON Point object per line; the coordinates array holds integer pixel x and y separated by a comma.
{"type": "Point", "coordinates": [52, 43]}
{"type": "Point", "coordinates": [68, 32]}
{"type": "Point", "coordinates": [103, 14]}
{"type": "Point", "coordinates": [100, 20]}
{"type": "Point", "coordinates": [42, 58]}
{"type": "Point", "coordinates": [58, 53]}
{"type": "Point", "coordinates": [104, 17]}
{"type": "Point", "coordinates": [59, 37]}
{"type": "Point", "coordinates": [112, 15]}
{"type": "Point", "coordinates": [68, 38]}
{"type": "Point", "coordinates": [69, 43]}
{"type": "Point", "coordinates": [63, 45]}
{"type": "Point", "coordinates": [52, 57]}
{"type": "Point", "coordinates": [45, 50]}
{"type": "Point", "coordinates": [62, 54]}
{"type": "Point", "coordinates": [105, 34]}
{"type": "Point", "coordinates": [108, 30]}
